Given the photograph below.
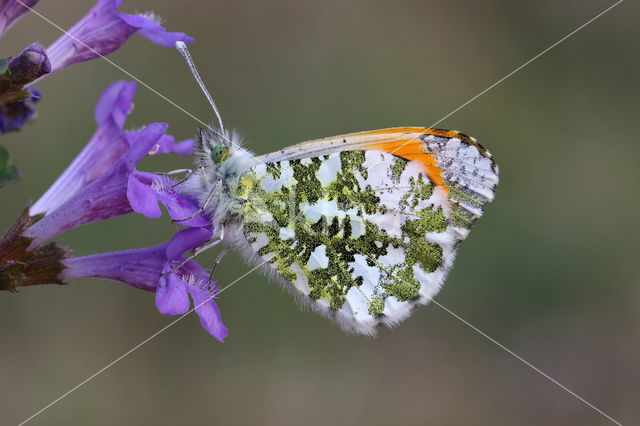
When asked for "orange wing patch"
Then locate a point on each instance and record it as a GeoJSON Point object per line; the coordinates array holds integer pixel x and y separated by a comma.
{"type": "Point", "coordinates": [413, 150]}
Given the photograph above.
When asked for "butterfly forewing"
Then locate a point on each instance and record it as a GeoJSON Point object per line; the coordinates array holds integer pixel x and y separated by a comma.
{"type": "Point", "coordinates": [364, 227]}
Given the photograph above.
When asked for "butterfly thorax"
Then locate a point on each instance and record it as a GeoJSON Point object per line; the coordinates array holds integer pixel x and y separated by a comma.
{"type": "Point", "coordinates": [220, 161]}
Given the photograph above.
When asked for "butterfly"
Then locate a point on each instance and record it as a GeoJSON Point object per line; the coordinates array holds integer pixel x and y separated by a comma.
{"type": "Point", "coordinates": [362, 227]}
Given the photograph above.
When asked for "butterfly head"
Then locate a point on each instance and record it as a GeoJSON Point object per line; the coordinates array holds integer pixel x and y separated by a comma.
{"type": "Point", "coordinates": [219, 153]}
{"type": "Point", "coordinates": [213, 146]}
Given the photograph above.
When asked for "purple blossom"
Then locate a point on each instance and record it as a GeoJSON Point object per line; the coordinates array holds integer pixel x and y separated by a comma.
{"type": "Point", "coordinates": [174, 289]}
{"type": "Point", "coordinates": [102, 183]}
{"type": "Point", "coordinates": [11, 11]}
{"type": "Point", "coordinates": [107, 145]}
{"type": "Point", "coordinates": [102, 31]}
{"type": "Point", "coordinates": [17, 104]}
{"type": "Point", "coordinates": [30, 64]}
{"type": "Point", "coordinates": [139, 268]}
{"type": "Point", "coordinates": [167, 145]}
{"type": "Point", "coordinates": [101, 199]}
{"type": "Point", "coordinates": [118, 191]}
{"type": "Point", "coordinates": [145, 190]}
{"type": "Point", "coordinates": [172, 297]}
{"type": "Point", "coordinates": [151, 268]}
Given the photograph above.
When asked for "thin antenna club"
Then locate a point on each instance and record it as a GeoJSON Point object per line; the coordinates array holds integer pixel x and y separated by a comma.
{"type": "Point", "coordinates": [186, 56]}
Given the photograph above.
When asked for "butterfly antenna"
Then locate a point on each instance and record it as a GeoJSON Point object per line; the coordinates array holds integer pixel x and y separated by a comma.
{"type": "Point", "coordinates": [184, 52]}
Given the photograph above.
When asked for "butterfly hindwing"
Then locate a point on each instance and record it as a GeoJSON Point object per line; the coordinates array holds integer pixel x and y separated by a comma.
{"type": "Point", "coordinates": [364, 227]}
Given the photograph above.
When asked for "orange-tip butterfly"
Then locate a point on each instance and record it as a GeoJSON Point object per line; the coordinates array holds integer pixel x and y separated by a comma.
{"type": "Point", "coordinates": [361, 227]}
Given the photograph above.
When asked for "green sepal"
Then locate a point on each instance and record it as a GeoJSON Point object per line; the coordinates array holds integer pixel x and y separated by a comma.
{"type": "Point", "coordinates": [8, 172]}
{"type": "Point", "coordinates": [22, 265]}
{"type": "Point", "coordinates": [13, 95]}
{"type": "Point", "coordinates": [22, 95]}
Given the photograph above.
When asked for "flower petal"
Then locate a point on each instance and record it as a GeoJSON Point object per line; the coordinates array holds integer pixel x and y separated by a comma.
{"type": "Point", "coordinates": [143, 143]}
{"type": "Point", "coordinates": [183, 148]}
{"type": "Point", "coordinates": [106, 146]}
{"type": "Point", "coordinates": [102, 31]}
{"type": "Point", "coordinates": [138, 268]}
{"type": "Point", "coordinates": [172, 297]}
{"type": "Point", "coordinates": [142, 198]}
{"type": "Point", "coordinates": [164, 38]}
{"type": "Point", "coordinates": [104, 198]}
{"type": "Point", "coordinates": [208, 312]}
{"type": "Point", "coordinates": [187, 239]}
{"type": "Point", "coordinates": [116, 103]}
{"type": "Point", "coordinates": [149, 28]}
{"type": "Point", "coordinates": [180, 206]}
{"type": "Point", "coordinates": [30, 64]}
{"type": "Point", "coordinates": [167, 145]}
{"type": "Point", "coordinates": [203, 291]}
{"type": "Point", "coordinates": [11, 11]}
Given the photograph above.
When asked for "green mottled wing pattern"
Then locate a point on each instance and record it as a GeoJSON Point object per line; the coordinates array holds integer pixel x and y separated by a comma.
{"type": "Point", "coordinates": [363, 236]}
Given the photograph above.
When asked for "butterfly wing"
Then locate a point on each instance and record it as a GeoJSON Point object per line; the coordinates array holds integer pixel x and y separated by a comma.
{"type": "Point", "coordinates": [364, 227]}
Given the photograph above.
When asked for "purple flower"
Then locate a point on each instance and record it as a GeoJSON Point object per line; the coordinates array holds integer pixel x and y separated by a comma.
{"type": "Point", "coordinates": [107, 145]}
{"type": "Point", "coordinates": [17, 104]}
{"type": "Point", "coordinates": [145, 190]}
{"type": "Point", "coordinates": [100, 32]}
{"type": "Point", "coordinates": [102, 183]}
{"type": "Point", "coordinates": [101, 199]}
{"type": "Point", "coordinates": [13, 115]}
{"type": "Point", "coordinates": [151, 268]}
{"type": "Point", "coordinates": [167, 145]}
{"type": "Point", "coordinates": [172, 295]}
{"type": "Point", "coordinates": [139, 268]}
{"type": "Point", "coordinates": [104, 30]}
{"type": "Point", "coordinates": [30, 64]}
{"type": "Point", "coordinates": [11, 11]}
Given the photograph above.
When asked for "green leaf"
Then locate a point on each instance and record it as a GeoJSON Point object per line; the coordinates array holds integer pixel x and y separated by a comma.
{"type": "Point", "coordinates": [8, 172]}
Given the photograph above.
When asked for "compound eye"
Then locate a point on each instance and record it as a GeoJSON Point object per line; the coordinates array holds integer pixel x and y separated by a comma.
{"type": "Point", "coordinates": [218, 154]}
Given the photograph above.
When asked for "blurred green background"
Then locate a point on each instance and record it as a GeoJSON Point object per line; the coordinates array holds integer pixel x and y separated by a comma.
{"type": "Point", "coordinates": [551, 271]}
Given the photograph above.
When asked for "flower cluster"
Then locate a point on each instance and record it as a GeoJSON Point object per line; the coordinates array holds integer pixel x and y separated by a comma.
{"type": "Point", "coordinates": [102, 183]}
{"type": "Point", "coordinates": [100, 32]}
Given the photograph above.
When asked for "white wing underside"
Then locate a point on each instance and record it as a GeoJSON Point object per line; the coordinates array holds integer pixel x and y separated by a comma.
{"type": "Point", "coordinates": [467, 166]}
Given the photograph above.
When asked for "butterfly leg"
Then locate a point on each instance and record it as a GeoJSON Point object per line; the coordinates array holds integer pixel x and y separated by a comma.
{"type": "Point", "coordinates": [217, 261]}
{"type": "Point", "coordinates": [173, 172]}
{"type": "Point", "coordinates": [189, 172]}
{"type": "Point", "coordinates": [183, 180]}
{"type": "Point", "coordinates": [195, 253]}
{"type": "Point", "coordinates": [204, 205]}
